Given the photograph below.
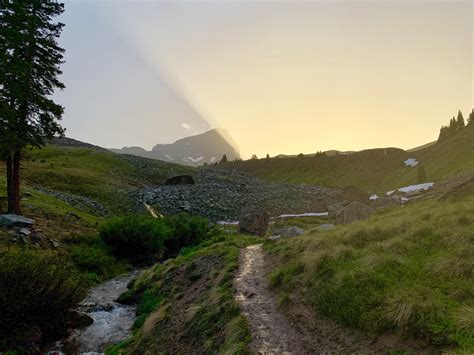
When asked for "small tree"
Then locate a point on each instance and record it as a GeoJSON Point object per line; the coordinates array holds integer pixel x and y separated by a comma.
{"type": "Point", "coordinates": [301, 155]}
{"type": "Point", "coordinates": [470, 119]}
{"type": "Point", "coordinates": [421, 174]}
{"type": "Point", "coordinates": [460, 120]}
{"type": "Point", "coordinates": [30, 60]}
{"type": "Point", "coordinates": [268, 156]}
{"type": "Point", "coordinates": [224, 158]}
{"type": "Point", "coordinates": [254, 157]}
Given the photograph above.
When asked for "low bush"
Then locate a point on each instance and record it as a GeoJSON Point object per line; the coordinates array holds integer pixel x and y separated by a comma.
{"type": "Point", "coordinates": [37, 291]}
{"type": "Point", "coordinates": [136, 237]}
{"type": "Point", "coordinates": [186, 231]}
{"type": "Point", "coordinates": [142, 237]}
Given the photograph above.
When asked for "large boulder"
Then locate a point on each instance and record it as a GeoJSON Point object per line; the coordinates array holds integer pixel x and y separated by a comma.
{"type": "Point", "coordinates": [353, 193]}
{"type": "Point", "coordinates": [254, 222]}
{"type": "Point", "coordinates": [13, 220]}
{"type": "Point", "coordinates": [356, 211]}
{"type": "Point", "coordinates": [180, 180]}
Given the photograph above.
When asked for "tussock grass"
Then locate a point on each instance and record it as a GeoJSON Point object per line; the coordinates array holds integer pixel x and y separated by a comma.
{"type": "Point", "coordinates": [408, 271]}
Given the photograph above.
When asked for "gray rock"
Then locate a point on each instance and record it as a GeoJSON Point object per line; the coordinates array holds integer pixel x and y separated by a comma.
{"type": "Point", "coordinates": [254, 222]}
{"type": "Point", "coordinates": [274, 237]}
{"type": "Point", "coordinates": [356, 211]}
{"type": "Point", "coordinates": [24, 231]}
{"type": "Point", "coordinates": [326, 227]}
{"type": "Point", "coordinates": [13, 220]}
{"type": "Point", "coordinates": [289, 231]}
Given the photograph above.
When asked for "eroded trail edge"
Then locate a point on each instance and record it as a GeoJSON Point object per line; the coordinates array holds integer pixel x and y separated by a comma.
{"type": "Point", "coordinates": [271, 331]}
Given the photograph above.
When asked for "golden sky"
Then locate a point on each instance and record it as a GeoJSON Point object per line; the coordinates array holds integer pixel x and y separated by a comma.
{"type": "Point", "coordinates": [299, 76]}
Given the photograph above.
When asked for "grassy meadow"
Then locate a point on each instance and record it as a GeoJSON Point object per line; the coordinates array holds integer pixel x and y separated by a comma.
{"type": "Point", "coordinates": [374, 170]}
{"type": "Point", "coordinates": [409, 271]}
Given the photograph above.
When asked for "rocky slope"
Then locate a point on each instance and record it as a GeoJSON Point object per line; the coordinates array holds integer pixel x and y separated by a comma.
{"type": "Point", "coordinates": [222, 194]}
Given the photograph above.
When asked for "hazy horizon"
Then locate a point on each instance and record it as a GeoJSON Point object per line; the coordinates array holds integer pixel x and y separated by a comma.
{"type": "Point", "coordinates": [280, 77]}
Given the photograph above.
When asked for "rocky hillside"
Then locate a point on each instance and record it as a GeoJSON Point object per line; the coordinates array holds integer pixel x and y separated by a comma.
{"type": "Point", "coordinates": [221, 195]}
{"type": "Point", "coordinates": [208, 147]}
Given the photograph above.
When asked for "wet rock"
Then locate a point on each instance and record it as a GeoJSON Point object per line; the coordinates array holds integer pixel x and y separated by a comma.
{"type": "Point", "coordinates": [254, 222]}
{"type": "Point", "coordinates": [356, 211]}
{"type": "Point", "coordinates": [13, 220]}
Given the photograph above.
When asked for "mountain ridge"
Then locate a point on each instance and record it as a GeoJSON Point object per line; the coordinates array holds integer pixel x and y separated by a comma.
{"type": "Point", "coordinates": [208, 147]}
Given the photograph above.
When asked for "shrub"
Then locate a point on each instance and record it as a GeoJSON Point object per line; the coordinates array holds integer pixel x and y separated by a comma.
{"type": "Point", "coordinates": [136, 237]}
{"type": "Point", "coordinates": [37, 291]}
{"type": "Point", "coordinates": [186, 231]}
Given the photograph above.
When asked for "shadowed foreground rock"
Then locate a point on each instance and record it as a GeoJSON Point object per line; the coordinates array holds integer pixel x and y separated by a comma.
{"type": "Point", "coordinates": [254, 221]}
{"type": "Point", "coordinates": [180, 180]}
{"type": "Point", "coordinates": [356, 211]}
{"type": "Point", "coordinates": [13, 220]}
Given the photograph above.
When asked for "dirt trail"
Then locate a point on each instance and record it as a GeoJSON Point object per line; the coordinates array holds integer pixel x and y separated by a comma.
{"type": "Point", "coordinates": [300, 332]}
{"type": "Point", "coordinates": [272, 333]}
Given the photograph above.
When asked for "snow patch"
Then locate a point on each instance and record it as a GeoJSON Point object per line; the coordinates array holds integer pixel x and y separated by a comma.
{"type": "Point", "coordinates": [419, 187]}
{"type": "Point", "coordinates": [213, 159]}
{"type": "Point", "coordinates": [310, 214]}
{"type": "Point", "coordinates": [373, 197]}
{"type": "Point", "coordinates": [228, 223]}
{"type": "Point", "coordinates": [411, 162]}
{"type": "Point", "coordinates": [169, 157]}
{"type": "Point", "coordinates": [195, 160]}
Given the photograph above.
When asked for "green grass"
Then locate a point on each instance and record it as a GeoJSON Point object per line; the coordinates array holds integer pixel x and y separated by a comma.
{"type": "Point", "coordinates": [187, 305]}
{"type": "Point", "coordinates": [409, 271]}
{"type": "Point", "coordinates": [375, 170]}
{"type": "Point", "coordinates": [100, 175]}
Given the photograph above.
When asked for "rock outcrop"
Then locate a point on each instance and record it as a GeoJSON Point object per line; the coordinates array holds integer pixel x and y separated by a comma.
{"type": "Point", "coordinates": [356, 211]}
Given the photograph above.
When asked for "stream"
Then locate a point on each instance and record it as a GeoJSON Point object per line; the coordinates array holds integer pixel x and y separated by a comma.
{"type": "Point", "coordinates": [112, 321]}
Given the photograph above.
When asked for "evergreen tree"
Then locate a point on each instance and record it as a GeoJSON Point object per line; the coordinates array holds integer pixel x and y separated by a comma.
{"type": "Point", "coordinates": [460, 121]}
{"type": "Point", "coordinates": [444, 133]}
{"type": "Point", "coordinates": [224, 158]}
{"type": "Point", "coordinates": [254, 157]}
{"type": "Point", "coordinates": [30, 60]}
{"type": "Point", "coordinates": [470, 119]}
{"type": "Point", "coordinates": [268, 156]}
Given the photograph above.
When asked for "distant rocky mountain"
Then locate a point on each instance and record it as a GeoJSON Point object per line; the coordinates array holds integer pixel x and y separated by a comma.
{"type": "Point", "coordinates": [208, 147]}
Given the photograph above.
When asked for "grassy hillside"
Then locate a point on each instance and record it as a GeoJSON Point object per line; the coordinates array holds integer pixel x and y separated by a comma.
{"type": "Point", "coordinates": [102, 176]}
{"type": "Point", "coordinates": [187, 306]}
{"type": "Point", "coordinates": [407, 271]}
{"type": "Point", "coordinates": [372, 170]}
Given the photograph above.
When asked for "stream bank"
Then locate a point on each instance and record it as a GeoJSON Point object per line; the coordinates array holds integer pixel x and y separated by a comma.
{"type": "Point", "coordinates": [112, 321]}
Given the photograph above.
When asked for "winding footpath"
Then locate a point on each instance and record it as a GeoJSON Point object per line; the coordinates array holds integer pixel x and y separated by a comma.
{"type": "Point", "coordinates": [272, 333]}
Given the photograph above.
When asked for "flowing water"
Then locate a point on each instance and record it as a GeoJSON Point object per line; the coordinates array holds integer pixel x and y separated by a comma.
{"type": "Point", "coordinates": [112, 321]}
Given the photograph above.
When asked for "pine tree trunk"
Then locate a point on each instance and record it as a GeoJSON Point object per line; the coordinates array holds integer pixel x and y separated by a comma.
{"type": "Point", "coordinates": [16, 182]}
{"type": "Point", "coordinates": [9, 169]}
